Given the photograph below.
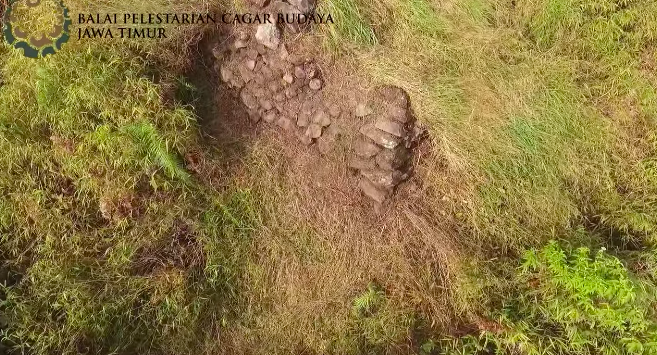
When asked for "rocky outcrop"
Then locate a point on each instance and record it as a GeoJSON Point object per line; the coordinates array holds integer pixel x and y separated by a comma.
{"type": "Point", "coordinates": [277, 88]}
{"type": "Point", "coordinates": [268, 35]}
{"type": "Point", "coordinates": [382, 155]}
{"type": "Point", "coordinates": [286, 92]}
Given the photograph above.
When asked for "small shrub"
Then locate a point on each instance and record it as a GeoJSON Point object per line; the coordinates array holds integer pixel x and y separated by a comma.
{"type": "Point", "coordinates": [572, 303]}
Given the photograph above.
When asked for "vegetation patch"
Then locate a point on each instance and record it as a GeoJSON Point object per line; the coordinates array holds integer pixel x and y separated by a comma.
{"type": "Point", "coordinates": [529, 226]}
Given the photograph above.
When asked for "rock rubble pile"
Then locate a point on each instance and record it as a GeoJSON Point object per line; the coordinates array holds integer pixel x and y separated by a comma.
{"type": "Point", "coordinates": [277, 87]}
{"type": "Point", "coordinates": [384, 149]}
{"type": "Point", "coordinates": [286, 90]}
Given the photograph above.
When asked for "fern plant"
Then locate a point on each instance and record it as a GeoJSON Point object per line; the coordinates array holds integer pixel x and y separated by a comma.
{"type": "Point", "coordinates": [572, 302]}
{"type": "Point", "coordinates": [156, 149]}
{"type": "Point", "coordinates": [369, 301]}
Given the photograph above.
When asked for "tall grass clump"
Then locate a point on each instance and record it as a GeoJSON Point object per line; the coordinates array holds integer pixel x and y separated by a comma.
{"type": "Point", "coordinates": [609, 43]}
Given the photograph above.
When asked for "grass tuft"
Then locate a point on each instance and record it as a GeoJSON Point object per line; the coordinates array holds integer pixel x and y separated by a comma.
{"type": "Point", "coordinates": [352, 24]}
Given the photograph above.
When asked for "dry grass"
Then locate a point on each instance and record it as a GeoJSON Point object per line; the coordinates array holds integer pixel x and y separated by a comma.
{"type": "Point", "coordinates": [320, 247]}
{"type": "Point", "coordinates": [320, 244]}
{"type": "Point", "coordinates": [518, 129]}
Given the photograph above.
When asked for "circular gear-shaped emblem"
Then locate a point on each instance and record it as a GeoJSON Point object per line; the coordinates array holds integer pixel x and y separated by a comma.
{"type": "Point", "coordinates": [38, 27]}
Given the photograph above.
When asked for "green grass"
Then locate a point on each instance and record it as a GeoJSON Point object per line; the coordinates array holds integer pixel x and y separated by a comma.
{"type": "Point", "coordinates": [116, 244]}
{"type": "Point", "coordinates": [512, 102]}
{"type": "Point", "coordinates": [352, 23]}
{"type": "Point", "coordinates": [542, 126]}
{"type": "Point", "coordinates": [543, 113]}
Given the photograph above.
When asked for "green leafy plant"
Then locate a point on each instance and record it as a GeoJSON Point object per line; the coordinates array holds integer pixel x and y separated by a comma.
{"type": "Point", "coordinates": [369, 301]}
{"type": "Point", "coordinates": [572, 302]}
{"type": "Point", "coordinates": [156, 149]}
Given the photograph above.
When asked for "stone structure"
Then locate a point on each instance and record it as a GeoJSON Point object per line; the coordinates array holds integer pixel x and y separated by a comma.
{"type": "Point", "coordinates": [384, 149]}
{"type": "Point", "coordinates": [275, 86]}
{"type": "Point", "coordinates": [285, 91]}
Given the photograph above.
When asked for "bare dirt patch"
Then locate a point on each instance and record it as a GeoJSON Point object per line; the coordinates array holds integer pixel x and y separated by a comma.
{"type": "Point", "coordinates": [321, 242]}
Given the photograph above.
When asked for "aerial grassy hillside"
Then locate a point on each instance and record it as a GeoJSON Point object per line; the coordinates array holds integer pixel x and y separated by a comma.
{"type": "Point", "coordinates": [129, 227]}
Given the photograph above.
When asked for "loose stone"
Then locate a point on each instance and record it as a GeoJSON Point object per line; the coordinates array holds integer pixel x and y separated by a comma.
{"type": "Point", "coordinates": [308, 107]}
{"type": "Point", "coordinates": [292, 12]}
{"type": "Point", "coordinates": [393, 159]}
{"type": "Point", "coordinates": [399, 114]}
{"type": "Point", "coordinates": [305, 139]}
{"type": "Point", "coordinates": [359, 163]}
{"type": "Point", "coordinates": [283, 53]}
{"type": "Point", "coordinates": [279, 107]}
{"type": "Point", "coordinates": [262, 50]}
{"type": "Point", "coordinates": [302, 120]}
{"type": "Point", "coordinates": [315, 84]}
{"type": "Point", "coordinates": [245, 73]}
{"type": "Point", "coordinates": [365, 148]}
{"type": "Point", "coordinates": [270, 117]}
{"type": "Point", "coordinates": [248, 100]}
{"type": "Point", "coordinates": [259, 92]}
{"type": "Point", "coordinates": [260, 3]}
{"type": "Point", "coordinates": [363, 110]}
{"type": "Point", "coordinates": [393, 127]}
{"type": "Point", "coordinates": [259, 79]}
{"type": "Point", "coordinates": [299, 72]}
{"type": "Point", "coordinates": [285, 123]}
{"type": "Point", "coordinates": [242, 35]}
{"type": "Point", "coordinates": [314, 131]}
{"type": "Point", "coordinates": [226, 74]}
{"type": "Point", "coordinates": [280, 97]}
{"type": "Point", "coordinates": [217, 53]}
{"type": "Point", "coordinates": [266, 104]}
{"type": "Point", "coordinates": [291, 92]}
{"type": "Point", "coordinates": [259, 65]}
{"type": "Point", "coordinates": [268, 35]}
{"type": "Point", "coordinates": [394, 96]}
{"type": "Point", "coordinates": [321, 118]}
{"type": "Point", "coordinates": [370, 190]}
{"type": "Point", "coordinates": [254, 116]}
{"type": "Point", "coordinates": [252, 53]}
{"type": "Point", "coordinates": [326, 143]}
{"type": "Point", "coordinates": [274, 86]}
{"type": "Point", "coordinates": [236, 82]}
{"type": "Point", "coordinates": [296, 59]}
{"type": "Point", "coordinates": [379, 137]}
{"type": "Point", "coordinates": [382, 178]}
{"type": "Point", "coordinates": [267, 72]}
{"type": "Point", "coordinates": [288, 78]}
{"type": "Point", "coordinates": [239, 44]}
{"type": "Point", "coordinates": [418, 134]}
{"type": "Point", "coordinates": [304, 6]}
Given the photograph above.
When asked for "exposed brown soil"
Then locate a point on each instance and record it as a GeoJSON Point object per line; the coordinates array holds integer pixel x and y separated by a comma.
{"type": "Point", "coordinates": [322, 242]}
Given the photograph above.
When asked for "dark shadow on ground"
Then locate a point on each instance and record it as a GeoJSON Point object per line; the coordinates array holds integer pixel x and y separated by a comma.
{"type": "Point", "coordinates": [227, 133]}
